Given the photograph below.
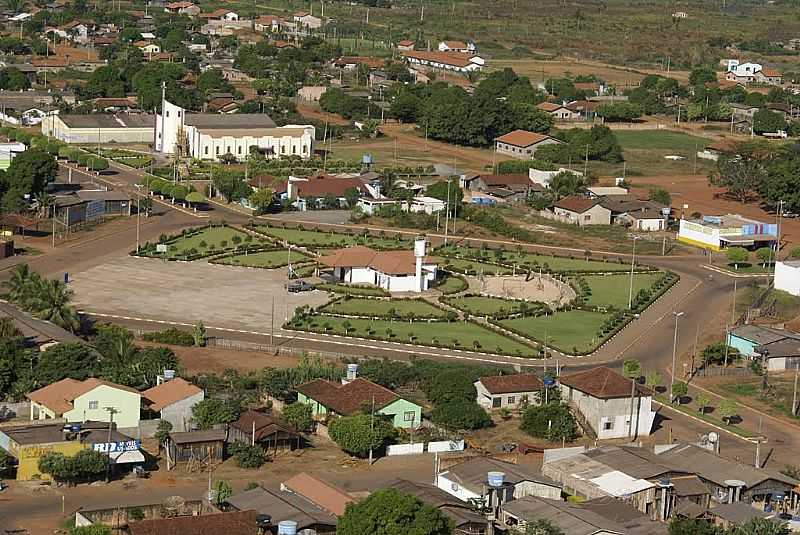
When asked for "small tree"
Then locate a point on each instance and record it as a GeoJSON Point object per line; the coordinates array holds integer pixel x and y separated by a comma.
{"type": "Point", "coordinates": [360, 433]}
{"type": "Point", "coordinates": [199, 334]}
{"type": "Point", "coordinates": [702, 402]}
{"type": "Point", "coordinates": [631, 368]}
{"type": "Point", "coordinates": [391, 511]}
{"type": "Point", "coordinates": [222, 491]}
{"type": "Point", "coordinates": [679, 390]}
{"type": "Point", "coordinates": [299, 416]}
{"type": "Point", "coordinates": [727, 410]}
{"type": "Point", "coordinates": [736, 256]}
{"type": "Point", "coordinates": [764, 255]}
{"type": "Point", "coordinates": [247, 455]}
{"type": "Point", "coordinates": [162, 431]}
{"type": "Point", "coordinates": [653, 378]}
{"type": "Point", "coordinates": [553, 422]}
{"type": "Point", "coordinates": [460, 415]}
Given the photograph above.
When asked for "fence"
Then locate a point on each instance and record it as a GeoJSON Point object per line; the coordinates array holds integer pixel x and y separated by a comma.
{"type": "Point", "coordinates": [727, 372]}
{"type": "Point", "coordinates": [238, 345]}
{"type": "Point", "coordinates": [421, 447]}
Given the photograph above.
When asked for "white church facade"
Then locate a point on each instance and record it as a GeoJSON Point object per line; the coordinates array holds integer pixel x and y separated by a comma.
{"type": "Point", "coordinates": [209, 136]}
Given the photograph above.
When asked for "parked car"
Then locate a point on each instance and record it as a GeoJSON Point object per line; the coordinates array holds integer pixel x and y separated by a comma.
{"type": "Point", "coordinates": [300, 286]}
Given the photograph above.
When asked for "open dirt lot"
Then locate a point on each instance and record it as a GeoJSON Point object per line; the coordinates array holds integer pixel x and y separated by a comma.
{"type": "Point", "coordinates": [540, 70]}
{"type": "Point", "coordinates": [544, 289]}
{"type": "Point", "coordinates": [241, 298]}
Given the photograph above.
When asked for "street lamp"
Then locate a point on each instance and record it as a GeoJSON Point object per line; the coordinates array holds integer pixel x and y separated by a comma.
{"type": "Point", "coordinates": [674, 354]}
{"type": "Point", "coordinates": [633, 260]}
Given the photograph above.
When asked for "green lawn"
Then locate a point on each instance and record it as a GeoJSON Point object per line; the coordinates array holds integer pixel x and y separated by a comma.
{"type": "Point", "coordinates": [212, 236]}
{"type": "Point", "coordinates": [613, 290]}
{"type": "Point", "coordinates": [458, 335]}
{"type": "Point", "coordinates": [263, 259]}
{"type": "Point", "coordinates": [451, 285]}
{"type": "Point", "coordinates": [531, 260]}
{"type": "Point", "coordinates": [472, 267]}
{"type": "Point", "coordinates": [310, 238]}
{"type": "Point", "coordinates": [488, 306]}
{"type": "Point", "coordinates": [659, 140]}
{"type": "Point", "coordinates": [353, 289]}
{"type": "Point", "coordinates": [382, 307]}
{"type": "Point", "coordinates": [565, 331]}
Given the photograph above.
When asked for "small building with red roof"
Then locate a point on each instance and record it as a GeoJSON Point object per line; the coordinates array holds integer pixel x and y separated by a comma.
{"type": "Point", "coordinates": [521, 144]}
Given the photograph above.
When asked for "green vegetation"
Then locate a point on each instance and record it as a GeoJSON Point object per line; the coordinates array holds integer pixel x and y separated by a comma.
{"type": "Point", "coordinates": [353, 289]}
{"type": "Point", "coordinates": [705, 416]}
{"type": "Point", "coordinates": [524, 260]}
{"type": "Point", "coordinates": [573, 331]}
{"type": "Point", "coordinates": [613, 290]}
{"type": "Point", "coordinates": [395, 308]}
{"type": "Point", "coordinates": [316, 238]}
{"type": "Point", "coordinates": [172, 336]}
{"type": "Point", "coordinates": [202, 242]}
{"type": "Point", "coordinates": [552, 421]}
{"type": "Point", "coordinates": [659, 140]}
{"type": "Point", "coordinates": [451, 284]}
{"type": "Point", "coordinates": [478, 305]}
{"type": "Point", "coordinates": [459, 335]}
{"type": "Point", "coordinates": [777, 399]}
{"type": "Point", "coordinates": [263, 259]}
{"type": "Point", "coordinates": [472, 267]}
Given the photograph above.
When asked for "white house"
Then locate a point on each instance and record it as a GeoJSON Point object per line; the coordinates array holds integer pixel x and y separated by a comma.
{"type": "Point", "coordinates": [209, 136]}
{"type": "Point", "coordinates": [787, 276]}
{"type": "Point", "coordinates": [746, 73]}
{"type": "Point", "coordinates": [459, 47]}
{"type": "Point", "coordinates": [307, 21]}
{"type": "Point", "coordinates": [467, 481]}
{"type": "Point", "coordinates": [543, 178]}
{"type": "Point", "coordinates": [522, 144]}
{"type": "Point", "coordinates": [603, 397]}
{"type": "Point", "coordinates": [428, 205]}
{"type": "Point", "coordinates": [371, 206]}
{"type": "Point", "coordinates": [394, 271]}
{"type": "Point", "coordinates": [509, 391]}
{"type": "Point", "coordinates": [174, 400]}
{"type": "Point", "coordinates": [444, 61]}
{"type": "Point", "coordinates": [8, 151]}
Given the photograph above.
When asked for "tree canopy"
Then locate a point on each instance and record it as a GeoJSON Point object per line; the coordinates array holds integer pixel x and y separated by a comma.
{"type": "Point", "coordinates": [359, 433]}
{"type": "Point", "coordinates": [391, 512]}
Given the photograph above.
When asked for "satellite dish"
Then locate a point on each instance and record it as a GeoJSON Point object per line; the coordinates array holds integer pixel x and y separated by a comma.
{"type": "Point", "coordinates": [713, 437]}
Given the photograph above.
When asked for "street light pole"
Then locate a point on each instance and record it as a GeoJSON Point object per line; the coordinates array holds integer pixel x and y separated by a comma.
{"type": "Point", "coordinates": [138, 214]}
{"type": "Point", "coordinates": [674, 355]}
{"type": "Point", "coordinates": [633, 261]}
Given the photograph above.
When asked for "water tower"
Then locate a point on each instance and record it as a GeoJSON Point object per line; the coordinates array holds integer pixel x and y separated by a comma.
{"type": "Point", "coordinates": [419, 255]}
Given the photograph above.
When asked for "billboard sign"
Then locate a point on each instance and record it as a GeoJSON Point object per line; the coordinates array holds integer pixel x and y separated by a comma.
{"type": "Point", "coordinates": [95, 209]}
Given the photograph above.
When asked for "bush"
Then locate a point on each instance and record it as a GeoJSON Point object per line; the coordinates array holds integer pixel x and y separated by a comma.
{"type": "Point", "coordinates": [449, 386]}
{"type": "Point", "coordinates": [172, 336]}
{"type": "Point", "coordinates": [460, 415]}
{"type": "Point", "coordinates": [298, 415]}
{"type": "Point", "coordinates": [359, 433]}
{"type": "Point", "coordinates": [536, 421]}
{"type": "Point", "coordinates": [246, 455]}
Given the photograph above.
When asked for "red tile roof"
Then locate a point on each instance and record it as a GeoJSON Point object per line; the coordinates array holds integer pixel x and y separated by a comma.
{"type": "Point", "coordinates": [602, 382]}
{"type": "Point", "coordinates": [771, 73]}
{"type": "Point", "coordinates": [405, 42]}
{"type": "Point", "coordinates": [324, 185]}
{"type": "Point", "coordinates": [169, 392]}
{"type": "Point", "coordinates": [323, 495]}
{"type": "Point", "coordinates": [549, 106]}
{"type": "Point", "coordinates": [508, 384]}
{"type": "Point", "coordinates": [388, 262]}
{"type": "Point", "coordinates": [506, 180]}
{"type": "Point", "coordinates": [576, 203]}
{"type": "Point", "coordinates": [522, 138]}
{"type": "Point", "coordinates": [445, 58]}
{"type": "Point", "coordinates": [458, 45]}
{"type": "Point", "coordinates": [238, 523]}
{"type": "Point", "coordinates": [372, 63]}
{"type": "Point", "coordinates": [58, 396]}
{"type": "Point", "coordinates": [355, 396]}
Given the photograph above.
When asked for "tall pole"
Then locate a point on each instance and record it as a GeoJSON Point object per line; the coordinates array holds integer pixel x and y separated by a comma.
{"type": "Point", "coordinates": [633, 393]}
{"type": "Point", "coordinates": [633, 260]}
{"type": "Point", "coordinates": [272, 322]}
{"type": "Point", "coordinates": [138, 215]}
{"type": "Point", "coordinates": [777, 243]}
{"type": "Point", "coordinates": [794, 396]}
{"type": "Point", "coordinates": [733, 304]}
{"type": "Point", "coordinates": [371, 427]}
{"type": "Point", "coordinates": [447, 212]}
{"type": "Point", "coordinates": [674, 355]}
{"type": "Point", "coordinates": [111, 412]}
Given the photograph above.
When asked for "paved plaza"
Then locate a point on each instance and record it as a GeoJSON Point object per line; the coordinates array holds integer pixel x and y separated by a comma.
{"type": "Point", "coordinates": [220, 296]}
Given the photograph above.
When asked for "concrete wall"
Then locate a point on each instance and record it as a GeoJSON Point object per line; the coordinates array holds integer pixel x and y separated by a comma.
{"type": "Point", "coordinates": [284, 141]}
{"type": "Point", "coordinates": [699, 235]}
{"type": "Point", "coordinates": [787, 278]}
{"type": "Point", "coordinates": [55, 127]}
{"type": "Point", "coordinates": [179, 414]}
{"type": "Point", "coordinates": [128, 405]}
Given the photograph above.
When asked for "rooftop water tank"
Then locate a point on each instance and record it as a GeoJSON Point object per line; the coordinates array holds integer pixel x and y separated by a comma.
{"type": "Point", "coordinates": [169, 374]}
{"type": "Point", "coordinates": [287, 527]}
{"type": "Point", "coordinates": [496, 479]}
{"type": "Point", "coordinates": [352, 371]}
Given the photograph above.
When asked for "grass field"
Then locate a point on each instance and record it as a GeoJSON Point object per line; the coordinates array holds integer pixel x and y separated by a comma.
{"type": "Point", "coordinates": [263, 259]}
{"type": "Point", "coordinates": [472, 267]}
{"type": "Point", "coordinates": [747, 390]}
{"type": "Point", "coordinates": [314, 238]}
{"type": "Point", "coordinates": [383, 307]}
{"type": "Point", "coordinates": [212, 236]}
{"type": "Point", "coordinates": [659, 140]}
{"type": "Point", "coordinates": [613, 290]}
{"type": "Point", "coordinates": [460, 335]}
{"type": "Point", "coordinates": [488, 306]}
{"type": "Point", "coordinates": [566, 331]}
{"type": "Point", "coordinates": [452, 284]}
{"type": "Point", "coordinates": [531, 260]}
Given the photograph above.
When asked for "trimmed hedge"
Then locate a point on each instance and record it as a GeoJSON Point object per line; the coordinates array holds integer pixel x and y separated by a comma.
{"type": "Point", "coordinates": [172, 336]}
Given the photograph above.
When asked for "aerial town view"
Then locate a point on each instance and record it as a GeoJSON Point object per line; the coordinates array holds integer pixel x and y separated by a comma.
{"type": "Point", "coordinates": [400, 267]}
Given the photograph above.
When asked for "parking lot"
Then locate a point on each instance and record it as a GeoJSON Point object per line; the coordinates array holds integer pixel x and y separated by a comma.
{"type": "Point", "coordinates": [220, 296]}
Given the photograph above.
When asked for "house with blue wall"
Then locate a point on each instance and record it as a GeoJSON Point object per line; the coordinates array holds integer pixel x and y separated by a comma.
{"type": "Point", "coordinates": [747, 338]}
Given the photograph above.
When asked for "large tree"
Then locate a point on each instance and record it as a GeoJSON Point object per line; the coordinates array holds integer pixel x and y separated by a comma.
{"type": "Point", "coordinates": [768, 121]}
{"type": "Point", "coordinates": [72, 359]}
{"type": "Point", "coordinates": [391, 512]}
{"type": "Point", "coordinates": [741, 172]}
{"type": "Point", "coordinates": [31, 171]}
{"type": "Point", "coordinates": [553, 422]}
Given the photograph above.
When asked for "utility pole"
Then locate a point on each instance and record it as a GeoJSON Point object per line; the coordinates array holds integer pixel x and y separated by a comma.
{"type": "Point", "coordinates": [794, 395]}
{"type": "Point", "coordinates": [371, 427]}
{"type": "Point", "coordinates": [674, 355]}
{"type": "Point", "coordinates": [138, 214]}
{"type": "Point", "coordinates": [111, 412]}
{"type": "Point", "coordinates": [633, 259]}
{"type": "Point", "coordinates": [633, 393]}
{"type": "Point", "coordinates": [733, 304]}
{"type": "Point", "coordinates": [447, 212]}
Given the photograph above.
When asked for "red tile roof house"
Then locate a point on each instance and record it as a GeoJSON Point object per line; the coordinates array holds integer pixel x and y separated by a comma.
{"type": "Point", "coordinates": [603, 397]}
{"type": "Point", "coordinates": [173, 400]}
{"type": "Point", "coordinates": [581, 211]}
{"type": "Point", "coordinates": [521, 144]}
{"type": "Point", "coordinates": [358, 396]}
{"type": "Point", "coordinates": [558, 112]}
{"type": "Point", "coordinates": [317, 188]}
{"type": "Point", "coordinates": [394, 271]}
{"type": "Point", "coordinates": [508, 391]}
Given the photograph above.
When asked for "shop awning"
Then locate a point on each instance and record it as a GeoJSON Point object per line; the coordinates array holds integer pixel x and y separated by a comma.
{"type": "Point", "coordinates": [127, 457]}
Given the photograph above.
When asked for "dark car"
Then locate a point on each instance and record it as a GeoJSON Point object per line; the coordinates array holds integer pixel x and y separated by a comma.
{"type": "Point", "coordinates": [299, 286]}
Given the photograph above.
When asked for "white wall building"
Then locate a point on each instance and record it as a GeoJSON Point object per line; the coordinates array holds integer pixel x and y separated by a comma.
{"type": "Point", "coordinates": [509, 391]}
{"type": "Point", "coordinates": [394, 271]}
{"type": "Point", "coordinates": [718, 232]}
{"type": "Point", "coordinates": [787, 276]}
{"type": "Point", "coordinates": [428, 205]}
{"type": "Point", "coordinates": [544, 177]}
{"type": "Point", "coordinates": [603, 397]}
{"type": "Point", "coordinates": [99, 128]}
{"type": "Point", "coordinates": [210, 136]}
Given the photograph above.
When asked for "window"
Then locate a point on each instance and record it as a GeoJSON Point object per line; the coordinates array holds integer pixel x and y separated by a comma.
{"type": "Point", "coordinates": [454, 486]}
{"type": "Point", "coordinates": [93, 405]}
{"type": "Point", "coordinates": [239, 149]}
{"type": "Point", "coordinates": [497, 402]}
{"type": "Point", "coordinates": [167, 113]}
{"type": "Point", "coordinates": [294, 149]}
{"type": "Point", "coordinates": [523, 399]}
{"type": "Point", "coordinates": [409, 416]}
{"type": "Point", "coordinates": [216, 151]}
{"type": "Point", "coordinates": [511, 400]}
{"type": "Point", "coordinates": [283, 149]}
{"type": "Point", "coordinates": [587, 217]}
{"type": "Point", "coordinates": [206, 150]}
{"type": "Point", "coordinates": [608, 425]}
{"type": "Point", "coordinates": [228, 151]}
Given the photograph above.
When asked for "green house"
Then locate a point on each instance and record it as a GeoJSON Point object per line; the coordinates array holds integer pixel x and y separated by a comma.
{"type": "Point", "coordinates": [358, 395]}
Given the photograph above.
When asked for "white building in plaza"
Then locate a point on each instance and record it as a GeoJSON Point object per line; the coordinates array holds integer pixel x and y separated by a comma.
{"type": "Point", "coordinates": [394, 271]}
{"type": "Point", "coordinates": [210, 136]}
{"type": "Point", "coordinates": [719, 232]}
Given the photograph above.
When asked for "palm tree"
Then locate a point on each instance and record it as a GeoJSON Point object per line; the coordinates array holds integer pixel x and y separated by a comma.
{"type": "Point", "coordinates": [50, 302]}
{"type": "Point", "coordinates": [8, 329]}
{"type": "Point", "coordinates": [42, 204]}
{"type": "Point", "coordinates": [19, 283]}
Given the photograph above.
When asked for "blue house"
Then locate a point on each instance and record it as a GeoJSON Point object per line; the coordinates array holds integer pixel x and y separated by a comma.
{"type": "Point", "coordinates": [748, 337]}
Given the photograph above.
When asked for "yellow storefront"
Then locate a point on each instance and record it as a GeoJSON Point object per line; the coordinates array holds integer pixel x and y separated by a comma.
{"type": "Point", "coordinates": [28, 456]}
